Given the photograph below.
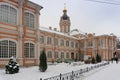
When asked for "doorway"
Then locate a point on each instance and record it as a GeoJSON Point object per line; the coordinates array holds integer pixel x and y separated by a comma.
{"type": "Point", "coordinates": [72, 56]}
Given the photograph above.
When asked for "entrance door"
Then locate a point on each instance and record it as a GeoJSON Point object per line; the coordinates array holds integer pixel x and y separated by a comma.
{"type": "Point", "coordinates": [72, 56]}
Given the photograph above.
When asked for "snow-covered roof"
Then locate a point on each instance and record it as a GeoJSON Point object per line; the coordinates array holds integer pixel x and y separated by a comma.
{"type": "Point", "coordinates": [56, 32]}
{"type": "Point", "coordinates": [34, 4]}
{"type": "Point", "coordinates": [76, 32]}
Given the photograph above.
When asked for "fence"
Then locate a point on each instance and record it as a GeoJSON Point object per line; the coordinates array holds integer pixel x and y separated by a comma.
{"type": "Point", "coordinates": [75, 74]}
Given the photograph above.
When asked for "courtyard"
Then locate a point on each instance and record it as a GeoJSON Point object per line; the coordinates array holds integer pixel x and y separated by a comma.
{"type": "Point", "coordinates": [33, 73]}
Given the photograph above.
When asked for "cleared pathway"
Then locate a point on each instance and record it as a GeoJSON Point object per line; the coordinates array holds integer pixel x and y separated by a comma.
{"type": "Point", "coordinates": [112, 72]}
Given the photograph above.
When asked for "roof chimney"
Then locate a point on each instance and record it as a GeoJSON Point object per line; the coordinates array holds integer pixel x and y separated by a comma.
{"type": "Point", "coordinates": [55, 29]}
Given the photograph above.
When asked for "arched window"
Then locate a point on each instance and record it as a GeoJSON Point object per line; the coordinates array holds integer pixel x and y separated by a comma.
{"type": "Point", "coordinates": [49, 54]}
{"type": "Point", "coordinates": [29, 20]}
{"type": "Point", "coordinates": [67, 55]}
{"type": "Point", "coordinates": [90, 43]}
{"type": "Point", "coordinates": [101, 42]}
{"type": "Point", "coordinates": [56, 54]}
{"type": "Point", "coordinates": [29, 50]}
{"type": "Point", "coordinates": [67, 43]}
{"type": "Point", "coordinates": [8, 14]}
{"type": "Point", "coordinates": [7, 49]}
{"type": "Point", "coordinates": [62, 54]}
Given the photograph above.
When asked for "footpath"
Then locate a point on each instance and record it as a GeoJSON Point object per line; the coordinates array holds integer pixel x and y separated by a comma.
{"type": "Point", "coordinates": [111, 72]}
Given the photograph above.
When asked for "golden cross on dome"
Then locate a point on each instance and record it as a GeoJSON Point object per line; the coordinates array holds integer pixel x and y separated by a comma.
{"type": "Point", "coordinates": [65, 10]}
{"type": "Point", "coordinates": [64, 5]}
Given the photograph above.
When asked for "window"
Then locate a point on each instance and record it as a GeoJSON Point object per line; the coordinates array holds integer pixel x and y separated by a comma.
{"type": "Point", "coordinates": [29, 50]}
{"type": "Point", "coordinates": [72, 44]}
{"type": "Point", "coordinates": [42, 39]}
{"type": "Point", "coordinates": [100, 42]}
{"type": "Point", "coordinates": [29, 20]}
{"type": "Point", "coordinates": [8, 14]}
{"type": "Point", "coordinates": [49, 54]}
{"type": "Point", "coordinates": [90, 44]}
{"type": "Point", "coordinates": [56, 41]}
{"type": "Point", "coordinates": [62, 54]}
{"type": "Point", "coordinates": [81, 44]}
{"type": "Point", "coordinates": [76, 45]}
{"type": "Point", "coordinates": [7, 49]}
{"type": "Point", "coordinates": [67, 43]}
{"type": "Point", "coordinates": [61, 42]}
{"type": "Point", "coordinates": [67, 55]}
{"type": "Point", "coordinates": [49, 40]}
{"type": "Point", "coordinates": [56, 55]}
{"type": "Point", "coordinates": [41, 52]}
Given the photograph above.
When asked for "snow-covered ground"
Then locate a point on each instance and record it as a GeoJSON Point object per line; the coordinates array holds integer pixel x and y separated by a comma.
{"type": "Point", "coordinates": [110, 72]}
{"type": "Point", "coordinates": [32, 73]}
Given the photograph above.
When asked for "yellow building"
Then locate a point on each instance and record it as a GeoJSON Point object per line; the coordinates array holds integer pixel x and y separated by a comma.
{"type": "Point", "coordinates": [21, 36]}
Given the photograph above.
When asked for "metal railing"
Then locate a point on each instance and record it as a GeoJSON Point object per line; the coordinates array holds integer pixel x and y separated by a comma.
{"type": "Point", "coordinates": [75, 74]}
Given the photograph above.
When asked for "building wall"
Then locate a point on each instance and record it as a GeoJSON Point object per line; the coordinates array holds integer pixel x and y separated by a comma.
{"type": "Point", "coordinates": [19, 33]}
{"type": "Point", "coordinates": [104, 45]}
{"type": "Point", "coordinates": [58, 47]}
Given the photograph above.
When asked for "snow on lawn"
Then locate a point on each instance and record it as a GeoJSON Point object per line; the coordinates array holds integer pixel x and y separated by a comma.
{"type": "Point", "coordinates": [32, 73]}
{"type": "Point", "coordinates": [112, 72]}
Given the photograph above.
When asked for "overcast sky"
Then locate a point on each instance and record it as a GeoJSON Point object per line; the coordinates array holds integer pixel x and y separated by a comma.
{"type": "Point", "coordinates": [85, 15]}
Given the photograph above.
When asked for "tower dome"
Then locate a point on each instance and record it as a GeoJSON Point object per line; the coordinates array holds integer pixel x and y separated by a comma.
{"type": "Point", "coordinates": [64, 10]}
{"type": "Point", "coordinates": [65, 22]}
{"type": "Point", "coordinates": [65, 17]}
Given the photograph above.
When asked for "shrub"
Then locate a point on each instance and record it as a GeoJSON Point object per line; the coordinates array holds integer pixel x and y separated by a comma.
{"type": "Point", "coordinates": [59, 60]}
{"type": "Point", "coordinates": [98, 58]}
{"type": "Point", "coordinates": [12, 67]}
{"type": "Point", "coordinates": [66, 60]}
{"type": "Point", "coordinates": [87, 61]}
{"type": "Point", "coordinates": [93, 60]}
{"type": "Point", "coordinates": [43, 61]}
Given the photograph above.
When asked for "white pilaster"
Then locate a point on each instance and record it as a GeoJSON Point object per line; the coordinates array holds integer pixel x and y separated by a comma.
{"type": "Point", "coordinates": [85, 47]}
{"type": "Point", "coordinates": [37, 53]}
{"type": "Point", "coordinates": [107, 48]}
{"type": "Point", "coordinates": [20, 32]}
{"type": "Point", "coordinates": [93, 48]}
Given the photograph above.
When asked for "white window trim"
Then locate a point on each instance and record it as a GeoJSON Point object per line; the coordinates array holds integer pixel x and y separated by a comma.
{"type": "Point", "coordinates": [34, 48]}
{"type": "Point", "coordinates": [3, 3]}
{"type": "Point", "coordinates": [34, 18]}
{"type": "Point", "coordinates": [13, 41]}
{"type": "Point", "coordinates": [51, 54]}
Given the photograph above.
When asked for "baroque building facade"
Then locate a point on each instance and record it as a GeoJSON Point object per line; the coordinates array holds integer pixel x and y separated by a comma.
{"type": "Point", "coordinates": [19, 31]}
{"type": "Point", "coordinates": [21, 36]}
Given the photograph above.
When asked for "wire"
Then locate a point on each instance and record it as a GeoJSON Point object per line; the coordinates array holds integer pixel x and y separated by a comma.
{"type": "Point", "coordinates": [106, 2]}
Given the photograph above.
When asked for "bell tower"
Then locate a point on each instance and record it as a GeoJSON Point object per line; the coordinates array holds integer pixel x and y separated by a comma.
{"type": "Point", "coordinates": [65, 22]}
